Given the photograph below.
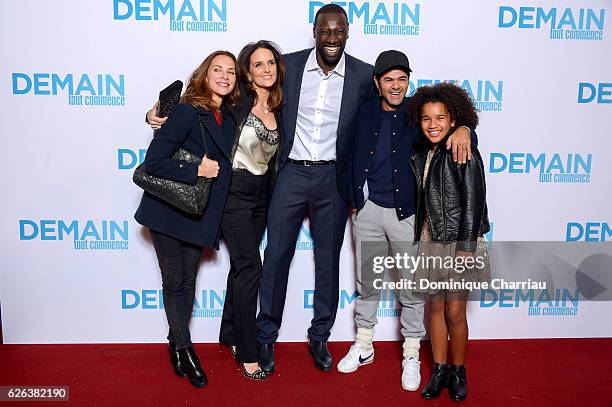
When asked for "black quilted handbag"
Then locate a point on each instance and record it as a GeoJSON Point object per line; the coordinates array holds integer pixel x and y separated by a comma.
{"type": "Point", "coordinates": [191, 199]}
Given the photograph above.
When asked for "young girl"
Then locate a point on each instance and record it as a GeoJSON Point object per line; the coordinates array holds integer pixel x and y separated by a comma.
{"type": "Point", "coordinates": [451, 219]}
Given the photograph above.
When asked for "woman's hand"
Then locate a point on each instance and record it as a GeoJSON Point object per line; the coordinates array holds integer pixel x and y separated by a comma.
{"type": "Point", "coordinates": [154, 121]}
{"type": "Point", "coordinates": [208, 168]}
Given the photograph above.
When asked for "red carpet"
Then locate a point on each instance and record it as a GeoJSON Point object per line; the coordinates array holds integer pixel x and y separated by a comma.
{"type": "Point", "coordinates": [560, 372]}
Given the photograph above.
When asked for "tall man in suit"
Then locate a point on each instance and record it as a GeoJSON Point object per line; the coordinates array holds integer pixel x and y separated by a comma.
{"type": "Point", "coordinates": [323, 89]}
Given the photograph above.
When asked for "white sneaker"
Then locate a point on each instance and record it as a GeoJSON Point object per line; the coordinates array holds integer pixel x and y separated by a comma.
{"type": "Point", "coordinates": [411, 374]}
{"type": "Point", "coordinates": [354, 358]}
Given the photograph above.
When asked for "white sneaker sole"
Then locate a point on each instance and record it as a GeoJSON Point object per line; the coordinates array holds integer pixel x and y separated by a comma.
{"type": "Point", "coordinates": [356, 367]}
{"type": "Point", "coordinates": [411, 388]}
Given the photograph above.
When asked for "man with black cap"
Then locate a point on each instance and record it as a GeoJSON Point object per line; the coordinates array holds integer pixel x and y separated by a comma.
{"type": "Point", "coordinates": [382, 195]}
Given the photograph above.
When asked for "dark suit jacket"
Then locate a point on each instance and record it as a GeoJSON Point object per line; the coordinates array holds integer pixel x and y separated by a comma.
{"type": "Point", "coordinates": [183, 130]}
{"type": "Point", "coordinates": [358, 86]}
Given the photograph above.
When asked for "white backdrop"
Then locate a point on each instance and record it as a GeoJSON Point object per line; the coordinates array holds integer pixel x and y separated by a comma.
{"type": "Point", "coordinates": [68, 164]}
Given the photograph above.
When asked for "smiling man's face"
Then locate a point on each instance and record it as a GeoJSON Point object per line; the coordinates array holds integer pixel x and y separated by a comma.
{"type": "Point", "coordinates": [330, 33]}
{"type": "Point", "coordinates": [392, 86]}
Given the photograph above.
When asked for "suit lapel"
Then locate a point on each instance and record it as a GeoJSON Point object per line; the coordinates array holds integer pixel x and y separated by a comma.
{"type": "Point", "coordinates": [349, 96]}
{"type": "Point", "coordinates": [292, 87]}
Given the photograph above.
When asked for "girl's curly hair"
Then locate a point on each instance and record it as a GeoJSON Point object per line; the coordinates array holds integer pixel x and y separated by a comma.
{"type": "Point", "coordinates": [457, 102]}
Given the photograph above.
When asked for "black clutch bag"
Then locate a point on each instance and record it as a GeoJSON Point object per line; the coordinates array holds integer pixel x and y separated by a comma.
{"type": "Point", "coordinates": [168, 98]}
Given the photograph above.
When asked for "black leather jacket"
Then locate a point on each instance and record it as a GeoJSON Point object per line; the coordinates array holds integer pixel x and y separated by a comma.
{"type": "Point", "coordinates": [454, 195]}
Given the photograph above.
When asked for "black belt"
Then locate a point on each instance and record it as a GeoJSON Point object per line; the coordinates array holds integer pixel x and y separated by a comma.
{"type": "Point", "coordinates": [308, 163]}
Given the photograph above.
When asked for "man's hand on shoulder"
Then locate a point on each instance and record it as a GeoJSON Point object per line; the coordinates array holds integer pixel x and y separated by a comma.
{"type": "Point", "coordinates": [460, 142]}
{"type": "Point", "coordinates": [154, 121]}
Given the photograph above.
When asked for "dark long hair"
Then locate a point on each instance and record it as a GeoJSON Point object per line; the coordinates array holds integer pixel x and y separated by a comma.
{"type": "Point", "coordinates": [198, 93]}
{"type": "Point", "coordinates": [275, 99]}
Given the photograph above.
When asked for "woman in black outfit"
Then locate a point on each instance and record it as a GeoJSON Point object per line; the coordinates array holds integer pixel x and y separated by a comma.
{"type": "Point", "coordinates": [178, 238]}
{"type": "Point", "coordinates": [260, 71]}
{"type": "Point", "coordinates": [451, 219]}
{"type": "Point", "coordinates": [253, 156]}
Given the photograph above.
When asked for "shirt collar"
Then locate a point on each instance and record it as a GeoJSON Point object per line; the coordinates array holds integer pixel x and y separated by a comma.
{"type": "Point", "coordinates": [312, 65]}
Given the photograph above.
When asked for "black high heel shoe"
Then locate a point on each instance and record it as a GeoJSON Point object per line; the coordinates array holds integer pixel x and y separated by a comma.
{"type": "Point", "coordinates": [177, 366]}
{"type": "Point", "coordinates": [231, 347]}
{"type": "Point", "coordinates": [258, 375]}
{"type": "Point", "coordinates": [438, 381]}
{"type": "Point", "coordinates": [191, 366]}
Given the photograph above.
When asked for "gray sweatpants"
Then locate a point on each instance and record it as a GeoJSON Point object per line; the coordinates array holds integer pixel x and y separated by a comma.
{"type": "Point", "coordinates": [378, 232]}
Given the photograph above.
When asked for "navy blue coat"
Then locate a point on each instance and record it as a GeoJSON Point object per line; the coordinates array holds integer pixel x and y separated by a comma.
{"type": "Point", "coordinates": [183, 130]}
{"type": "Point", "coordinates": [368, 123]}
{"type": "Point", "coordinates": [358, 86]}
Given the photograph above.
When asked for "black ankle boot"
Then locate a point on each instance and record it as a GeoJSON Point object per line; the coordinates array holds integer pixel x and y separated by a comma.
{"type": "Point", "coordinates": [457, 383]}
{"type": "Point", "coordinates": [438, 381]}
{"type": "Point", "coordinates": [175, 361]}
{"type": "Point", "coordinates": [191, 366]}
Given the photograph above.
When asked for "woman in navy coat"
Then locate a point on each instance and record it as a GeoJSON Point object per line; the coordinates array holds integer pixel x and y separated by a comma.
{"type": "Point", "coordinates": [178, 237]}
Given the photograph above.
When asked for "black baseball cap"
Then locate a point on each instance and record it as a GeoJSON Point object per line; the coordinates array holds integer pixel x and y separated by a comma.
{"type": "Point", "coordinates": [391, 59]}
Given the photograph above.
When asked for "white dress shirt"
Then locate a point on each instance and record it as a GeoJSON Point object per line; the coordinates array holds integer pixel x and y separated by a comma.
{"type": "Point", "coordinates": [318, 112]}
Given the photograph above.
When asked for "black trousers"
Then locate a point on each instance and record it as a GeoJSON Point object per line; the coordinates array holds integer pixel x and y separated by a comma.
{"type": "Point", "coordinates": [300, 190]}
{"type": "Point", "coordinates": [242, 227]}
{"type": "Point", "coordinates": [178, 262]}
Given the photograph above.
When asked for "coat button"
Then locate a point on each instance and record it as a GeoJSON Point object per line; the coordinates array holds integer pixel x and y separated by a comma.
{"type": "Point", "coordinates": [359, 187]}
{"type": "Point", "coordinates": [394, 133]}
{"type": "Point", "coordinates": [394, 170]}
{"type": "Point", "coordinates": [181, 165]}
{"type": "Point", "coordinates": [397, 190]}
{"type": "Point", "coordinates": [371, 152]}
{"type": "Point", "coordinates": [366, 170]}
{"type": "Point", "coordinates": [376, 133]}
{"type": "Point", "coordinates": [393, 151]}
